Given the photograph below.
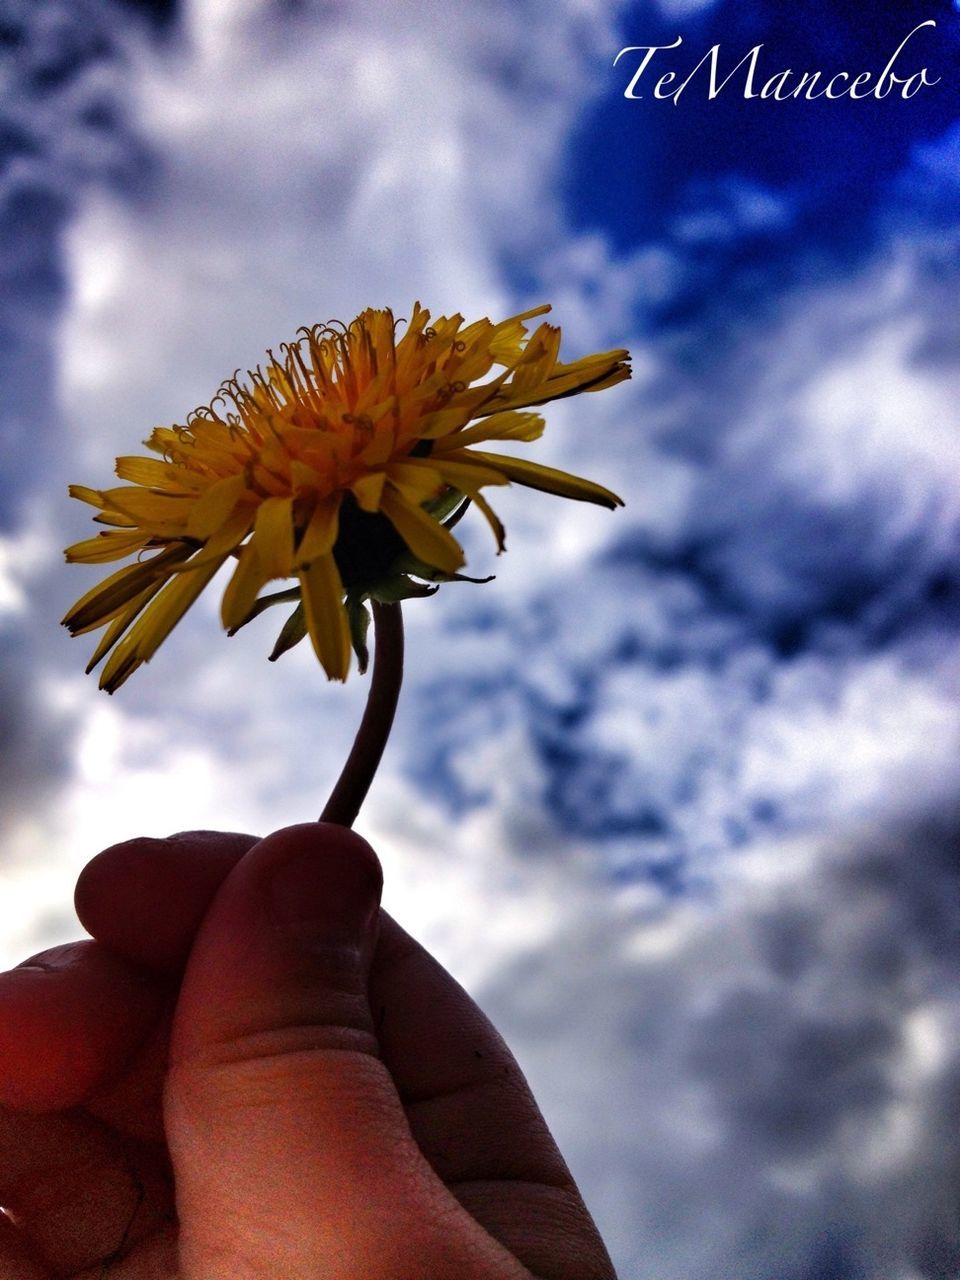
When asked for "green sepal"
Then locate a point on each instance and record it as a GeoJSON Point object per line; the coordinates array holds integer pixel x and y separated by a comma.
{"type": "Point", "coordinates": [409, 564]}
{"type": "Point", "coordinates": [399, 587]}
{"type": "Point", "coordinates": [276, 597]}
{"type": "Point", "coordinates": [291, 633]}
{"type": "Point", "coordinates": [358, 616]}
{"type": "Point", "coordinates": [452, 503]}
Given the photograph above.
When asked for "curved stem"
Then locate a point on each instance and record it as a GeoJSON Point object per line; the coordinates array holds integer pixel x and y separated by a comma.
{"type": "Point", "coordinates": [358, 772]}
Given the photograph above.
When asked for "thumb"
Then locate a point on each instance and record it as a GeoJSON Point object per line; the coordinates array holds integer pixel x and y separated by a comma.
{"type": "Point", "coordinates": [275, 1086]}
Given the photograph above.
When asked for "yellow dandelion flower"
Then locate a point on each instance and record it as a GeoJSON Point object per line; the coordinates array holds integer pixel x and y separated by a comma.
{"type": "Point", "coordinates": [341, 466]}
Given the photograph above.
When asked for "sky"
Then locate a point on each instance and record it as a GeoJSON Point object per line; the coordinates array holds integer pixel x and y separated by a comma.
{"type": "Point", "coordinates": [675, 796]}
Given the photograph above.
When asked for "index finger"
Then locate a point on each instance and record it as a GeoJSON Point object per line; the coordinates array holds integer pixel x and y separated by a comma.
{"type": "Point", "coordinates": [146, 898]}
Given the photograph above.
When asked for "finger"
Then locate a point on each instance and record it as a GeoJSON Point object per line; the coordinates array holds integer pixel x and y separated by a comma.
{"type": "Point", "coordinates": [70, 1019]}
{"type": "Point", "coordinates": [472, 1114]}
{"type": "Point", "coordinates": [446, 1056]}
{"type": "Point", "coordinates": [145, 898]}
{"type": "Point", "coordinates": [288, 1139]}
{"type": "Point", "coordinates": [77, 1193]}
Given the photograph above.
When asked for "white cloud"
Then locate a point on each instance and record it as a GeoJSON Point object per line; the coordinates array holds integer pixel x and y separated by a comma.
{"type": "Point", "coordinates": [867, 412]}
{"type": "Point", "coordinates": [22, 556]}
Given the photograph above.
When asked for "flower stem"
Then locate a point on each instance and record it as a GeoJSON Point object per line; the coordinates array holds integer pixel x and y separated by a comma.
{"type": "Point", "coordinates": [358, 772]}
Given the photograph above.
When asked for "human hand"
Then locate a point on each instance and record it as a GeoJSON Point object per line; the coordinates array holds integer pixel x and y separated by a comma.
{"type": "Point", "coordinates": [251, 1073]}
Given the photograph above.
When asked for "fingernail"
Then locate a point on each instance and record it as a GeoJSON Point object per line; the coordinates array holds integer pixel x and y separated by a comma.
{"type": "Point", "coordinates": [327, 895]}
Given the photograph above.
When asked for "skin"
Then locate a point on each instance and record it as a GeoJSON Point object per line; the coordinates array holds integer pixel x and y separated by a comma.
{"type": "Point", "coordinates": [251, 1072]}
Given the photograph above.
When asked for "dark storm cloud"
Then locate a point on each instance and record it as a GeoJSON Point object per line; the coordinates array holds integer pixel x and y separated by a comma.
{"type": "Point", "coordinates": [35, 741]}
{"type": "Point", "coordinates": [61, 128]}
{"type": "Point", "coordinates": [161, 12]}
{"type": "Point", "coordinates": [780, 1078]}
{"type": "Point", "coordinates": [808, 1047]}
{"type": "Point", "coordinates": [63, 71]}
